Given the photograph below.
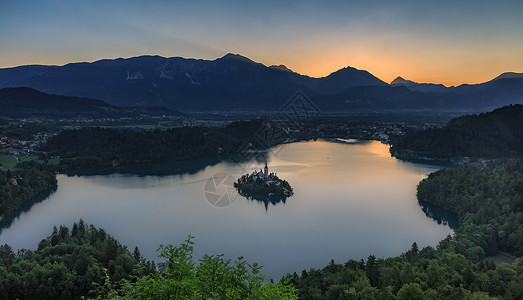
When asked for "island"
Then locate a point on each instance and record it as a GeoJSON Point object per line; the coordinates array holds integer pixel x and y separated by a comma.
{"type": "Point", "coordinates": [263, 183]}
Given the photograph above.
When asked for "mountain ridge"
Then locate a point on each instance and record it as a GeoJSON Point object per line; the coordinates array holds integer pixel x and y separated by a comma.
{"type": "Point", "coordinates": [402, 81]}
{"type": "Point", "coordinates": [235, 82]}
{"type": "Point", "coordinates": [236, 56]}
{"type": "Point", "coordinates": [508, 75]}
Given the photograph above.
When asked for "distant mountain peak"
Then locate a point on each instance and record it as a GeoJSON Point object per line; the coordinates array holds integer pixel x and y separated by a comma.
{"type": "Point", "coordinates": [508, 75]}
{"type": "Point", "coordinates": [402, 81]}
{"type": "Point", "coordinates": [346, 70]}
{"type": "Point", "coordinates": [282, 68]}
{"type": "Point", "coordinates": [350, 71]}
{"type": "Point", "coordinates": [234, 56]}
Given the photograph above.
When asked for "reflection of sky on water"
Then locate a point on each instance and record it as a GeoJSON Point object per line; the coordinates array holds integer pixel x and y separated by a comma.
{"type": "Point", "coordinates": [350, 201]}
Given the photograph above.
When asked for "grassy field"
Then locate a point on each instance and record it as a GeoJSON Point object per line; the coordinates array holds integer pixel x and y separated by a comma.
{"type": "Point", "coordinates": [7, 161]}
{"type": "Point", "coordinates": [54, 161]}
{"type": "Point", "coordinates": [27, 158]}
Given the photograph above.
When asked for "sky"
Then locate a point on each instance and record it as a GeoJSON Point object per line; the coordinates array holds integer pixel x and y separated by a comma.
{"type": "Point", "coordinates": [448, 42]}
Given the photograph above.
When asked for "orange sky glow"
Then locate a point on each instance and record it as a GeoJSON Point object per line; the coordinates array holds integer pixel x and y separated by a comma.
{"type": "Point", "coordinates": [445, 42]}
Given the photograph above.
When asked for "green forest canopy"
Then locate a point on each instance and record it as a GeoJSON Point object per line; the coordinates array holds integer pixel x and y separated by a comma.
{"type": "Point", "coordinates": [489, 135]}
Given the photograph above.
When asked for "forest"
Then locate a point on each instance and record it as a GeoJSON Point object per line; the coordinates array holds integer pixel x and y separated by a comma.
{"type": "Point", "coordinates": [92, 147]}
{"type": "Point", "coordinates": [87, 262]}
{"type": "Point", "coordinates": [488, 135]}
{"type": "Point", "coordinates": [417, 274]}
{"type": "Point", "coordinates": [488, 199]}
{"type": "Point", "coordinates": [26, 180]}
{"type": "Point", "coordinates": [20, 186]}
{"type": "Point", "coordinates": [67, 263]}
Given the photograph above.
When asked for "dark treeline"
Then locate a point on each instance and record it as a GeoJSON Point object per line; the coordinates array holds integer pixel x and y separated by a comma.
{"type": "Point", "coordinates": [495, 134]}
{"type": "Point", "coordinates": [20, 186]}
{"type": "Point", "coordinates": [87, 262]}
{"type": "Point", "coordinates": [67, 264]}
{"type": "Point", "coordinates": [417, 274]}
{"type": "Point", "coordinates": [97, 147]}
{"type": "Point", "coordinates": [488, 199]}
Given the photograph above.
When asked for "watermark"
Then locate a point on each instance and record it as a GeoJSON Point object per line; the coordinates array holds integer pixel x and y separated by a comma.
{"type": "Point", "coordinates": [247, 153]}
{"type": "Point", "coordinates": [273, 132]}
{"type": "Point", "coordinates": [299, 108]}
{"type": "Point", "coordinates": [219, 189]}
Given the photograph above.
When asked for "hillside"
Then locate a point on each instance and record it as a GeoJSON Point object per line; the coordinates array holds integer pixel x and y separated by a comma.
{"type": "Point", "coordinates": [237, 83]}
{"type": "Point", "coordinates": [386, 99]}
{"type": "Point", "coordinates": [488, 135]}
{"type": "Point", "coordinates": [232, 82]}
{"type": "Point", "coordinates": [94, 147]}
{"type": "Point", "coordinates": [27, 102]}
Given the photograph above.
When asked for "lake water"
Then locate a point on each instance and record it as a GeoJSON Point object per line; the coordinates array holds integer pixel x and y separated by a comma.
{"type": "Point", "coordinates": [350, 200]}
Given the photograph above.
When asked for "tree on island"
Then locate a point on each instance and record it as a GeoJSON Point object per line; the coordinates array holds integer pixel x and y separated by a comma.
{"type": "Point", "coordinates": [263, 183]}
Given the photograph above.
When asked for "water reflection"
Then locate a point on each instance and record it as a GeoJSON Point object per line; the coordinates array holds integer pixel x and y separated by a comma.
{"type": "Point", "coordinates": [439, 215]}
{"type": "Point", "coordinates": [6, 223]}
{"type": "Point", "coordinates": [353, 196]}
{"type": "Point", "coordinates": [264, 199]}
{"type": "Point", "coordinates": [181, 167]}
{"type": "Point", "coordinates": [346, 141]}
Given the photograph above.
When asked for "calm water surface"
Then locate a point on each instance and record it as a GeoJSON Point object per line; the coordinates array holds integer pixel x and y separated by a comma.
{"type": "Point", "coordinates": [350, 201]}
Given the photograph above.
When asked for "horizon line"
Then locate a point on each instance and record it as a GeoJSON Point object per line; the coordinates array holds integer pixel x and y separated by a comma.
{"type": "Point", "coordinates": [268, 66]}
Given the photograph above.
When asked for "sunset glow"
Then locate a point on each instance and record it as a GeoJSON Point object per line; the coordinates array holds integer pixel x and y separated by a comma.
{"type": "Point", "coordinates": [444, 42]}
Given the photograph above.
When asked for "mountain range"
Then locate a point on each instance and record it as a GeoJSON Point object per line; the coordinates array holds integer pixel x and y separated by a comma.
{"type": "Point", "coordinates": [236, 83]}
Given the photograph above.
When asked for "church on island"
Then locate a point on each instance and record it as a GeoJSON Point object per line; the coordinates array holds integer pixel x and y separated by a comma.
{"type": "Point", "coordinates": [263, 182]}
{"type": "Point", "coordinates": [262, 175]}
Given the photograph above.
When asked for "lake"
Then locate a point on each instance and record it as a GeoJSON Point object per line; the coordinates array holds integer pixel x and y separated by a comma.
{"type": "Point", "coordinates": [350, 200]}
